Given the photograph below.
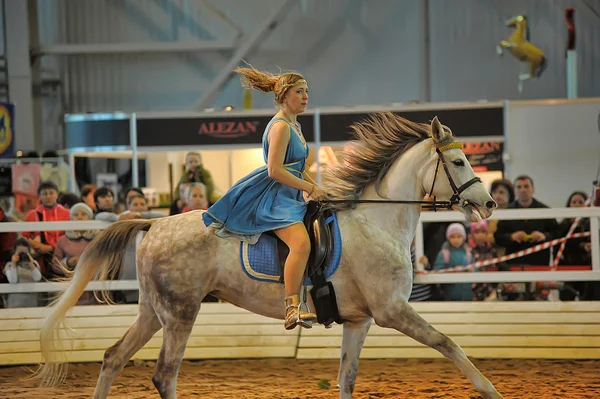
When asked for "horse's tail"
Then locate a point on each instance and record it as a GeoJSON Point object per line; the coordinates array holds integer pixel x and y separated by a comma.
{"type": "Point", "coordinates": [543, 66]}
{"type": "Point", "coordinates": [101, 259]}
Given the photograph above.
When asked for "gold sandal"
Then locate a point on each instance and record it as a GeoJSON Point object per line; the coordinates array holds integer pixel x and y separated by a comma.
{"type": "Point", "coordinates": [294, 316]}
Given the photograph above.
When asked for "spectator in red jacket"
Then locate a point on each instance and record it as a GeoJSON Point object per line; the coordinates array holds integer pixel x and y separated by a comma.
{"type": "Point", "coordinates": [49, 210]}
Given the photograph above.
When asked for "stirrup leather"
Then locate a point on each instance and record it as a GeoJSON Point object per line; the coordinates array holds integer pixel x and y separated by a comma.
{"type": "Point", "coordinates": [295, 316]}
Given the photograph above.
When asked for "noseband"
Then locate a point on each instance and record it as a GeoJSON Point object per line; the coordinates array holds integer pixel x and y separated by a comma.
{"type": "Point", "coordinates": [435, 204]}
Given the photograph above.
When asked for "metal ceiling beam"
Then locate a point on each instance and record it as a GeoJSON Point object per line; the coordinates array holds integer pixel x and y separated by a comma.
{"type": "Point", "coordinates": [135, 48]}
{"type": "Point", "coordinates": [222, 16]}
{"type": "Point", "coordinates": [267, 26]}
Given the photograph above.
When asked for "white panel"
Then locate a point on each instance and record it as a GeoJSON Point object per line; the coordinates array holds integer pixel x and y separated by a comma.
{"type": "Point", "coordinates": [158, 171]}
{"type": "Point", "coordinates": [216, 162]}
{"type": "Point", "coordinates": [557, 145]}
{"type": "Point", "coordinates": [245, 161]}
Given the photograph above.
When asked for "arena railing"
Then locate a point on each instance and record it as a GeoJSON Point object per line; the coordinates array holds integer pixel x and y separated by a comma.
{"type": "Point", "coordinates": [593, 213]}
{"type": "Point", "coordinates": [51, 286]}
{"type": "Point", "coordinates": [430, 278]}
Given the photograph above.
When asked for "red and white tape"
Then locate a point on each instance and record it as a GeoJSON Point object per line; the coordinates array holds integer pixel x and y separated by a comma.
{"type": "Point", "coordinates": [483, 263]}
{"type": "Point", "coordinates": [569, 234]}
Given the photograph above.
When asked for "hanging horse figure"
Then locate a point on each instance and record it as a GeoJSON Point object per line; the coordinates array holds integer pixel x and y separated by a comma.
{"type": "Point", "coordinates": [180, 261]}
{"type": "Point", "coordinates": [518, 44]}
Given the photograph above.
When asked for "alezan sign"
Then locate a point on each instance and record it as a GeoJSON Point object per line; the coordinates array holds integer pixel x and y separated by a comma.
{"type": "Point", "coordinates": [229, 129]}
{"type": "Point", "coordinates": [206, 131]}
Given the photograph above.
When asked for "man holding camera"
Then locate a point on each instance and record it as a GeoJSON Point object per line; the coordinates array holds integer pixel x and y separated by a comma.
{"type": "Point", "coordinates": [22, 269]}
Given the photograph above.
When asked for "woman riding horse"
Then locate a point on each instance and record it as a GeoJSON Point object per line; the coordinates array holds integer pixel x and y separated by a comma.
{"type": "Point", "coordinates": [270, 198]}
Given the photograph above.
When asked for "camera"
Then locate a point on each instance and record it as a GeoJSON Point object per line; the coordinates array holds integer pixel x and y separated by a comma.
{"type": "Point", "coordinates": [23, 257]}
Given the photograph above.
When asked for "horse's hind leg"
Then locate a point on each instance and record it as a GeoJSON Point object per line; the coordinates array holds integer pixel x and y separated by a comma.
{"type": "Point", "coordinates": [115, 357]}
{"type": "Point", "coordinates": [353, 338]}
{"type": "Point", "coordinates": [176, 332]}
{"type": "Point", "coordinates": [405, 319]}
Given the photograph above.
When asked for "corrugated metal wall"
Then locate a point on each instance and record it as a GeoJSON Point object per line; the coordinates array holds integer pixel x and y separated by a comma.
{"type": "Point", "coordinates": [353, 51]}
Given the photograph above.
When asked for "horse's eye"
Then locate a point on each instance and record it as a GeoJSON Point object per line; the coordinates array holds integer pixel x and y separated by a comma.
{"type": "Point", "coordinates": [459, 162]}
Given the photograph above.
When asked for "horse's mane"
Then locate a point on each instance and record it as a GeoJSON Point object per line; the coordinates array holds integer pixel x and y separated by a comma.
{"type": "Point", "coordinates": [379, 141]}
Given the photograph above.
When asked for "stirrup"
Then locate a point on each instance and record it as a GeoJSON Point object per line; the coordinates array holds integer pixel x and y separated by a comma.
{"type": "Point", "coordinates": [293, 318]}
{"type": "Point", "coordinates": [294, 315]}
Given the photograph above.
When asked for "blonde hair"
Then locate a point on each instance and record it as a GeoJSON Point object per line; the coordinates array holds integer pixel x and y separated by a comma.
{"type": "Point", "coordinates": [267, 82]}
{"type": "Point", "coordinates": [188, 191]}
{"type": "Point", "coordinates": [193, 154]}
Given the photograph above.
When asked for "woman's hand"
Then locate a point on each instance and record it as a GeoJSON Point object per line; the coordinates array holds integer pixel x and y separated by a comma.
{"type": "Point", "coordinates": [317, 194]}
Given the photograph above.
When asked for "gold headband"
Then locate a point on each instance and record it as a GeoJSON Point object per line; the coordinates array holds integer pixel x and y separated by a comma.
{"type": "Point", "coordinates": [454, 144]}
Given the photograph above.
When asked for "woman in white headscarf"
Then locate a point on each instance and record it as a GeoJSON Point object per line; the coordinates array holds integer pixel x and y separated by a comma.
{"type": "Point", "coordinates": [71, 245]}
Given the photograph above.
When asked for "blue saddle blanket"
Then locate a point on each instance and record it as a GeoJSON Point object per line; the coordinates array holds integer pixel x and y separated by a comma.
{"type": "Point", "coordinates": [261, 260]}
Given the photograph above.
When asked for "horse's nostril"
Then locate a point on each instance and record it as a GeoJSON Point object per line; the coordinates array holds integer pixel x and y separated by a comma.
{"type": "Point", "coordinates": [490, 205]}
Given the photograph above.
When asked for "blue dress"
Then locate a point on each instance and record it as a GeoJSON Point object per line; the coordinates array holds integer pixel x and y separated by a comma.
{"type": "Point", "coordinates": [257, 203]}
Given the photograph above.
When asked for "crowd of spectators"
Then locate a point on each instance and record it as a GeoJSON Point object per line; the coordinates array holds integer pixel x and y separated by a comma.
{"type": "Point", "coordinates": [53, 255]}
{"type": "Point", "coordinates": [448, 245]}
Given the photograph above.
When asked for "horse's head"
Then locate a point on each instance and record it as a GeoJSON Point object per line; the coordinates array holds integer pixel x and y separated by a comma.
{"type": "Point", "coordinates": [518, 21]}
{"type": "Point", "coordinates": [452, 177]}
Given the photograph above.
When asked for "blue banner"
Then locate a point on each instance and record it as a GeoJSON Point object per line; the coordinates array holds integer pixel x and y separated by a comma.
{"type": "Point", "coordinates": [7, 130]}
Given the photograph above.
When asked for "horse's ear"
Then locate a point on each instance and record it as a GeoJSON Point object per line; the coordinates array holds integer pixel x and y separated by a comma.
{"type": "Point", "coordinates": [437, 131]}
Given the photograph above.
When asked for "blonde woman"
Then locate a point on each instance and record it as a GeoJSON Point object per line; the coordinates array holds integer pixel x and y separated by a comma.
{"type": "Point", "coordinates": [271, 197]}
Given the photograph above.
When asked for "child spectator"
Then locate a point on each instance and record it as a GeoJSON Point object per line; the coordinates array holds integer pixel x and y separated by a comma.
{"type": "Point", "coordinates": [195, 173]}
{"type": "Point", "coordinates": [455, 252]}
{"type": "Point", "coordinates": [195, 198]}
{"type": "Point", "coordinates": [71, 246]}
{"type": "Point", "coordinates": [482, 250]}
{"type": "Point", "coordinates": [22, 269]}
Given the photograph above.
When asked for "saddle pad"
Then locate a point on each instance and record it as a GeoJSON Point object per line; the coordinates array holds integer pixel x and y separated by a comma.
{"type": "Point", "coordinates": [261, 260]}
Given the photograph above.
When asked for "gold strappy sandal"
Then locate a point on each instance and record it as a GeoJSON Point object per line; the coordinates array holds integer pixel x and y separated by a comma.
{"type": "Point", "coordinates": [294, 316]}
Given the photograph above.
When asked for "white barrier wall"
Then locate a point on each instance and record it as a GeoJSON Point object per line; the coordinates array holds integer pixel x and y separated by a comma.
{"type": "Point", "coordinates": [556, 142]}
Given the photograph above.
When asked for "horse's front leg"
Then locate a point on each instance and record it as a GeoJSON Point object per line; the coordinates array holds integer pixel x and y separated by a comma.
{"type": "Point", "coordinates": [402, 317]}
{"type": "Point", "coordinates": [505, 44]}
{"type": "Point", "coordinates": [353, 338]}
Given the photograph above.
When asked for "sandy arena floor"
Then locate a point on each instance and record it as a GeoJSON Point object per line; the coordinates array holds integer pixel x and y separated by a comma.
{"type": "Point", "coordinates": [300, 379]}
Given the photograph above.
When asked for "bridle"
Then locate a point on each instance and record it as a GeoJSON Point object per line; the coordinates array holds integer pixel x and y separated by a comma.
{"type": "Point", "coordinates": [434, 205]}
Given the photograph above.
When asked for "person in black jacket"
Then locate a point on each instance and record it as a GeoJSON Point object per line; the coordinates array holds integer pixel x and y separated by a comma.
{"type": "Point", "coordinates": [517, 235]}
